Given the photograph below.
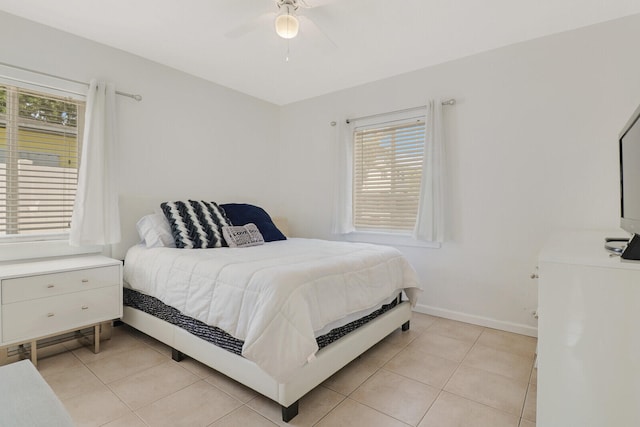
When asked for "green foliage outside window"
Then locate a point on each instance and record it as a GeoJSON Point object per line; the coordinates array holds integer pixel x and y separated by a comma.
{"type": "Point", "coordinates": [43, 109]}
{"type": "Point", "coordinates": [3, 100]}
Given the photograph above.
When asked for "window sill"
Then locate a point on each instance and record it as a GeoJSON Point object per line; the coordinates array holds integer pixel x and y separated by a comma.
{"type": "Point", "coordinates": [390, 239]}
{"type": "Point", "coordinates": [13, 251]}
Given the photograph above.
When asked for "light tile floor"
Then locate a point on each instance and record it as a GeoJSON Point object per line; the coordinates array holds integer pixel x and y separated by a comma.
{"type": "Point", "coordinates": [440, 373]}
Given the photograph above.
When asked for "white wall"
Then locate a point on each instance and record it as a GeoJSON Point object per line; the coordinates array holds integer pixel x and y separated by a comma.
{"type": "Point", "coordinates": [532, 147]}
{"type": "Point", "coordinates": [187, 138]}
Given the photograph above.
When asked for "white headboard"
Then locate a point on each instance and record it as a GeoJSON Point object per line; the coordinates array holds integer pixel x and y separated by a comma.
{"type": "Point", "coordinates": [132, 208]}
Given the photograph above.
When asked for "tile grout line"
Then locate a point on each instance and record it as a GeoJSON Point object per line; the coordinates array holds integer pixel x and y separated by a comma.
{"type": "Point", "coordinates": [108, 385]}
{"type": "Point", "coordinates": [462, 360]}
{"type": "Point", "coordinates": [332, 409]}
{"type": "Point", "coordinates": [466, 398]}
{"type": "Point", "coordinates": [378, 411]}
{"type": "Point", "coordinates": [484, 404]}
{"type": "Point", "coordinates": [498, 350]}
{"type": "Point", "coordinates": [431, 406]}
{"type": "Point", "coordinates": [348, 396]}
{"type": "Point", "coordinates": [400, 346]}
{"type": "Point", "coordinates": [526, 395]}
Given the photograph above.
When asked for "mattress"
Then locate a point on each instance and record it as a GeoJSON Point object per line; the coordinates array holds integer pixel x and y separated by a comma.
{"type": "Point", "coordinates": [220, 338]}
{"type": "Point", "coordinates": [273, 297]}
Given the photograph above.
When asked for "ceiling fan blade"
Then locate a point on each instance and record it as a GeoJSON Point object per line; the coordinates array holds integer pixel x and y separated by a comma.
{"type": "Point", "coordinates": [309, 4]}
{"type": "Point", "coordinates": [250, 26]}
{"type": "Point", "coordinates": [308, 27]}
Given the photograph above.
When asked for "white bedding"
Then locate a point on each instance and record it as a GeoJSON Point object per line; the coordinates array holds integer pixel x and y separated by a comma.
{"type": "Point", "coordinates": [273, 296]}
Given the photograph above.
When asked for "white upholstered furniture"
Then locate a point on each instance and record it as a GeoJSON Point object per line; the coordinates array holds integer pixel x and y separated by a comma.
{"type": "Point", "coordinates": [27, 400]}
{"type": "Point", "coordinates": [51, 296]}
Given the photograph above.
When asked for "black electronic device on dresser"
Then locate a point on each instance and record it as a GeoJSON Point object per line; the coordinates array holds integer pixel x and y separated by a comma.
{"type": "Point", "coordinates": [629, 143]}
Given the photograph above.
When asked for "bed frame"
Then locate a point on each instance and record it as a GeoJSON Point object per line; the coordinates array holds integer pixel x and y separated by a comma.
{"type": "Point", "coordinates": [329, 359]}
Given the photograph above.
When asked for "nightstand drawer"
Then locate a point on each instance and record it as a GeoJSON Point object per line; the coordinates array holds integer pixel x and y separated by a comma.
{"type": "Point", "coordinates": [47, 285]}
{"type": "Point", "coordinates": [44, 316]}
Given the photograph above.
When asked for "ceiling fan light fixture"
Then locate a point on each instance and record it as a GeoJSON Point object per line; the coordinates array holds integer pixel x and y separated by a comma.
{"type": "Point", "coordinates": [287, 24]}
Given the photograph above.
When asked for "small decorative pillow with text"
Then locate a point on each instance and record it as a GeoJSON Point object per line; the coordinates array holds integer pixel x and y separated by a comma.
{"type": "Point", "coordinates": [196, 224]}
{"type": "Point", "coordinates": [242, 236]}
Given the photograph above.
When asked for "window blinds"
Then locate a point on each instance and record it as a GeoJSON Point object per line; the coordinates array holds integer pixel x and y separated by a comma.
{"type": "Point", "coordinates": [38, 161]}
{"type": "Point", "coordinates": [387, 174]}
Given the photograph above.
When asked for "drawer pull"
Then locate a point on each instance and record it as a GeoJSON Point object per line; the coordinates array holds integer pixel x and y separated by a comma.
{"type": "Point", "coordinates": [50, 314]}
{"type": "Point", "coordinates": [85, 307]}
{"type": "Point", "coordinates": [85, 280]}
{"type": "Point", "coordinates": [51, 286]}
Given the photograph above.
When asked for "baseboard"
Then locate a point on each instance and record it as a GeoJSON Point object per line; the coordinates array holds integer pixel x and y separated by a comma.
{"type": "Point", "coordinates": [517, 328]}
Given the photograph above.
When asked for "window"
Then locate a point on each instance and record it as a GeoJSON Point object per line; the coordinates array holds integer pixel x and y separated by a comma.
{"type": "Point", "coordinates": [38, 161]}
{"type": "Point", "coordinates": [387, 172]}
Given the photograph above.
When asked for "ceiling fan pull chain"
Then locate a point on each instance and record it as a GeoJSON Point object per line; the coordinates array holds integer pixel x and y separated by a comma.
{"type": "Point", "coordinates": [287, 58]}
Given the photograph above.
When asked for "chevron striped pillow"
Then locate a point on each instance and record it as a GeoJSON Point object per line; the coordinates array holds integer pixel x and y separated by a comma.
{"type": "Point", "coordinates": [196, 224]}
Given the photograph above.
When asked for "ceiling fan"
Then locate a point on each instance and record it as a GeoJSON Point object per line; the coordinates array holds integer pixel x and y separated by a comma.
{"type": "Point", "coordinates": [287, 19]}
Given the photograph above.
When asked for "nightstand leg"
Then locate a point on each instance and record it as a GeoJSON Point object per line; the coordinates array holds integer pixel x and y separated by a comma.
{"type": "Point", "coordinates": [96, 339]}
{"type": "Point", "coordinates": [4, 356]}
{"type": "Point", "coordinates": [34, 353]}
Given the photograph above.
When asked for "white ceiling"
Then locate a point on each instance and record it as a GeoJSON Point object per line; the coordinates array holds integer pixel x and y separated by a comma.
{"type": "Point", "coordinates": [373, 39]}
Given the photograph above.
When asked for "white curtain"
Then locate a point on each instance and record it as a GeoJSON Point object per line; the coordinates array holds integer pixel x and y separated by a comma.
{"type": "Point", "coordinates": [96, 218]}
{"type": "Point", "coordinates": [430, 223]}
{"type": "Point", "coordinates": [343, 176]}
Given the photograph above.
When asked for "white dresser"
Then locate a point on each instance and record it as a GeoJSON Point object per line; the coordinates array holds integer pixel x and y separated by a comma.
{"type": "Point", "coordinates": [588, 334]}
{"type": "Point", "coordinates": [46, 297]}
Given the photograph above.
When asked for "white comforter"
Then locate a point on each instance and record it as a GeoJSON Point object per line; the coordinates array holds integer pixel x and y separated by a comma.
{"type": "Point", "coordinates": [273, 296]}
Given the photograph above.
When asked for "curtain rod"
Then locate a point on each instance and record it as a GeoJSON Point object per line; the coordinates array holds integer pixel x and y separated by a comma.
{"type": "Point", "coordinates": [128, 95]}
{"type": "Point", "coordinates": [451, 101]}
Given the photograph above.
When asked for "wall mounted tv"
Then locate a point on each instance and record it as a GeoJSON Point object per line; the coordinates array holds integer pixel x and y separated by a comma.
{"type": "Point", "coordinates": [629, 142]}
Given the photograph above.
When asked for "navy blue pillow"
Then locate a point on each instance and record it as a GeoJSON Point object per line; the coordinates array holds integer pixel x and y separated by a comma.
{"type": "Point", "coordinates": [243, 214]}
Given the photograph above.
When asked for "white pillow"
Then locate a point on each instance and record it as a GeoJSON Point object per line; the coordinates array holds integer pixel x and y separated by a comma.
{"type": "Point", "coordinates": [155, 232]}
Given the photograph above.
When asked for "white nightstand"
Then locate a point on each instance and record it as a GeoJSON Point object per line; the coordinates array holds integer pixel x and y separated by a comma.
{"type": "Point", "coordinates": [48, 297]}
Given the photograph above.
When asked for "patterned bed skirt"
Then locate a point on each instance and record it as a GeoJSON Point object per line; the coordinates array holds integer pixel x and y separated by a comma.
{"type": "Point", "coordinates": [217, 336]}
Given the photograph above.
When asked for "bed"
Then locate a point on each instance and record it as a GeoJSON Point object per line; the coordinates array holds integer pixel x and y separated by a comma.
{"type": "Point", "coordinates": [279, 318]}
